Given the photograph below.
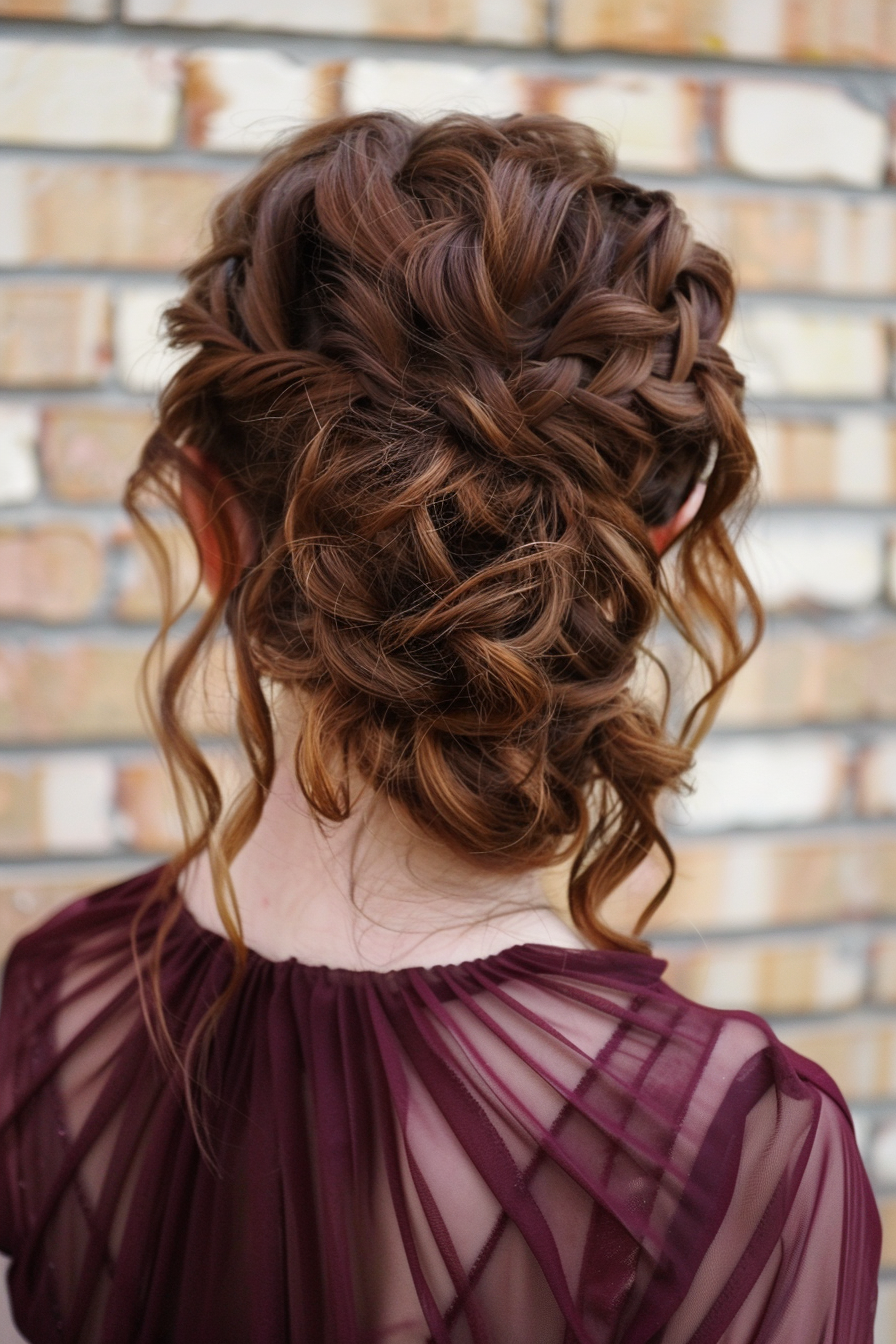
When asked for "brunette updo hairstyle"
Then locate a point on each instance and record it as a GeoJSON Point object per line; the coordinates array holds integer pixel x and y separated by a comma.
{"type": "Point", "coordinates": [455, 371]}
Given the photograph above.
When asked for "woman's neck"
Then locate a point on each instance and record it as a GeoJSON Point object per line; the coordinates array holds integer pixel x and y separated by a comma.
{"type": "Point", "coordinates": [369, 893]}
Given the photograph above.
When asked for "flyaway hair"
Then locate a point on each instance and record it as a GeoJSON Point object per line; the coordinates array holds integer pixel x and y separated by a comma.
{"type": "Point", "coordinates": [455, 372]}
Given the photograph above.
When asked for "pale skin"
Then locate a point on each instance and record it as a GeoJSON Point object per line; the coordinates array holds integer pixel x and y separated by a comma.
{"type": "Point", "coordinates": [372, 892]}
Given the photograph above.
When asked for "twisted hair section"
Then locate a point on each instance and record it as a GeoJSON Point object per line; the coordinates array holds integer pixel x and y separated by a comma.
{"type": "Point", "coordinates": [455, 371]}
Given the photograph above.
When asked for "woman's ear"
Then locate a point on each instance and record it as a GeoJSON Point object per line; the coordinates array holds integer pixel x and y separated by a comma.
{"type": "Point", "coordinates": [663, 536]}
{"type": "Point", "coordinates": [206, 494]}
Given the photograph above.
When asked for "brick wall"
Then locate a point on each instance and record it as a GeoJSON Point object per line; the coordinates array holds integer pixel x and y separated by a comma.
{"type": "Point", "coordinates": [775, 122]}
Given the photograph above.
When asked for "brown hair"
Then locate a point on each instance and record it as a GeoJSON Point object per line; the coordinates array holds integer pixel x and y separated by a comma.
{"type": "Point", "coordinates": [455, 371]}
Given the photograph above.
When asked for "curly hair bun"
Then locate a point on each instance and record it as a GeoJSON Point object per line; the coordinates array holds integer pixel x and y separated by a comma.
{"type": "Point", "coordinates": [456, 371]}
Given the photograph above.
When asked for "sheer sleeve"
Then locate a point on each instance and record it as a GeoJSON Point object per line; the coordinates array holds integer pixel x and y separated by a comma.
{"type": "Point", "coordinates": [795, 1256]}
{"type": "Point", "coordinates": [8, 1180]}
{"type": "Point", "coordinates": [69, 1003]}
{"type": "Point", "coordinates": [545, 1146]}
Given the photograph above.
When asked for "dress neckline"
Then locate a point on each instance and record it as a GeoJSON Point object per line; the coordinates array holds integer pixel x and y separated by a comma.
{"type": "Point", "coordinates": [551, 956]}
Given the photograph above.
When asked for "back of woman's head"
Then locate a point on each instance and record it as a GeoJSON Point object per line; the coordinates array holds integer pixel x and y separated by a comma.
{"type": "Point", "coordinates": [455, 372]}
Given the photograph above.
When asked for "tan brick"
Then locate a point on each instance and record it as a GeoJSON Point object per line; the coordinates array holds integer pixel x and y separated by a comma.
{"type": "Point", "coordinates": [103, 214]}
{"type": "Point", "coordinates": [850, 458]}
{"type": "Point", "coordinates": [665, 26]}
{"type": "Point", "coordinates": [20, 809]}
{"type": "Point", "coordinates": [54, 572]}
{"type": "Point", "coordinates": [88, 451]}
{"type": "Point", "coordinates": [883, 968]}
{"type": "Point", "coordinates": [88, 94]}
{"type": "Point", "coordinates": [787, 352]}
{"type": "Point", "coordinates": [76, 690]}
{"type": "Point", "coordinates": [675, 26]}
{"type": "Point", "coordinates": [240, 100]}
{"type": "Point", "coordinates": [813, 975]}
{"type": "Point", "coordinates": [823, 30]}
{"type": "Point", "coordinates": [428, 88]}
{"type": "Point", "coordinates": [69, 692]}
{"type": "Point", "coordinates": [887, 1206]}
{"type": "Point", "coordinates": [653, 119]}
{"type": "Point", "coordinates": [801, 132]}
{"type": "Point", "coordinates": [860, 30]}
{"type": "Point", "coordinates": [145, 799]}
{"type": "Point", "coordinates": [797, 460]}
{"type": "Point", "coordinates": [19, 475]}
{"type": "Point", "coordinates": [827, 243]}
{"type": "Point", "coordinates": [54, 335]}
{"type": "Point", "coordinates": [138, 598]}
{"type": "Point", "coordinates": [859, 1054]}
{"type": "Point", "coordinates": [876, 779]}
{"type": "Point", "coordinates": [79, 11]}
{"type": "Point", "coordinates": [749, 882]}
{"type": "Point", "coordinates": [825, 879]}
{"type": "Point", "coordinates": [811, 676]}
{"type": "Point", "coordinates": [29, 894]}
{"type": "Point", "coordinates": [507, 22]}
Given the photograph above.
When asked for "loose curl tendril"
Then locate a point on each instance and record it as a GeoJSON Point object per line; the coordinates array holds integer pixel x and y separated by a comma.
{"type": "Point", "coordinates": [455, 371]}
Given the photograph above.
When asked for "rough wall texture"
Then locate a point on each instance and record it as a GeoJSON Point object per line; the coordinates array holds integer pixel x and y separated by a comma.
{"type": "Point", "coordinates": [774, 122]}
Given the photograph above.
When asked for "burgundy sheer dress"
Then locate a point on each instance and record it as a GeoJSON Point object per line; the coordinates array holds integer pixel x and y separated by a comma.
{"type": "Point", "coordinates": [538, 1147]}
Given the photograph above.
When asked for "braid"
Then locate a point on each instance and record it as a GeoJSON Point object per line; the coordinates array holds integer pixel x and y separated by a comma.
{"type": "Point", "coordinates": [456, 371]}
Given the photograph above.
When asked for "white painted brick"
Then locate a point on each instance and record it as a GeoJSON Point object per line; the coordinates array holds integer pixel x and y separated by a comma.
{"type": "Point", "coordinates": [8, 1332]}
{"type": "Point", "coordinates": [765, 433]}
{"type": "Point", "coordinates": [826, 561]}
{"type": "Point", "coordinates": [765, 781]}
{"type": "Point", "coordinates": [86, 94]}
{"type": "Point", "coordinates": [651, 119]}
{"type": "Point", "coordinates": [862, 458]}
{"type": "Point", "coordinates": [427, 88]}
{"type": "Point", "coordinates": [78, 792]}
{"type": "Point", "coordinates": [19, 475]}
{"type": "Point", "coordinates": [240, 100]}
{"type": "Point", "coordinates": [746, 891]}
{"type": "Point", "coordinates": [840, 973]}
{"type": "Point", "coordinates": [885, 1319]}
{"type": "Point", "coordinates": [883, 1153]}
{"type": "Point", "coordinates": [142, 360]}
{"type": "Point", "coordinates": [308, 16]}
{"type": "Point", "coordinates": [801, 131]}
{"type": "Point", "coordinates": [507, 22]}
{"type": "Point", "coordinates": [877, 777]}
{"type": "Point", "coordinates": [786, 351]}
{"type": "Point", "coordinates": [78, 11]}
{"type": "Point", "coordinates": [731, 978]}
{"type": "Point", "coordinates": [754, 30]}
